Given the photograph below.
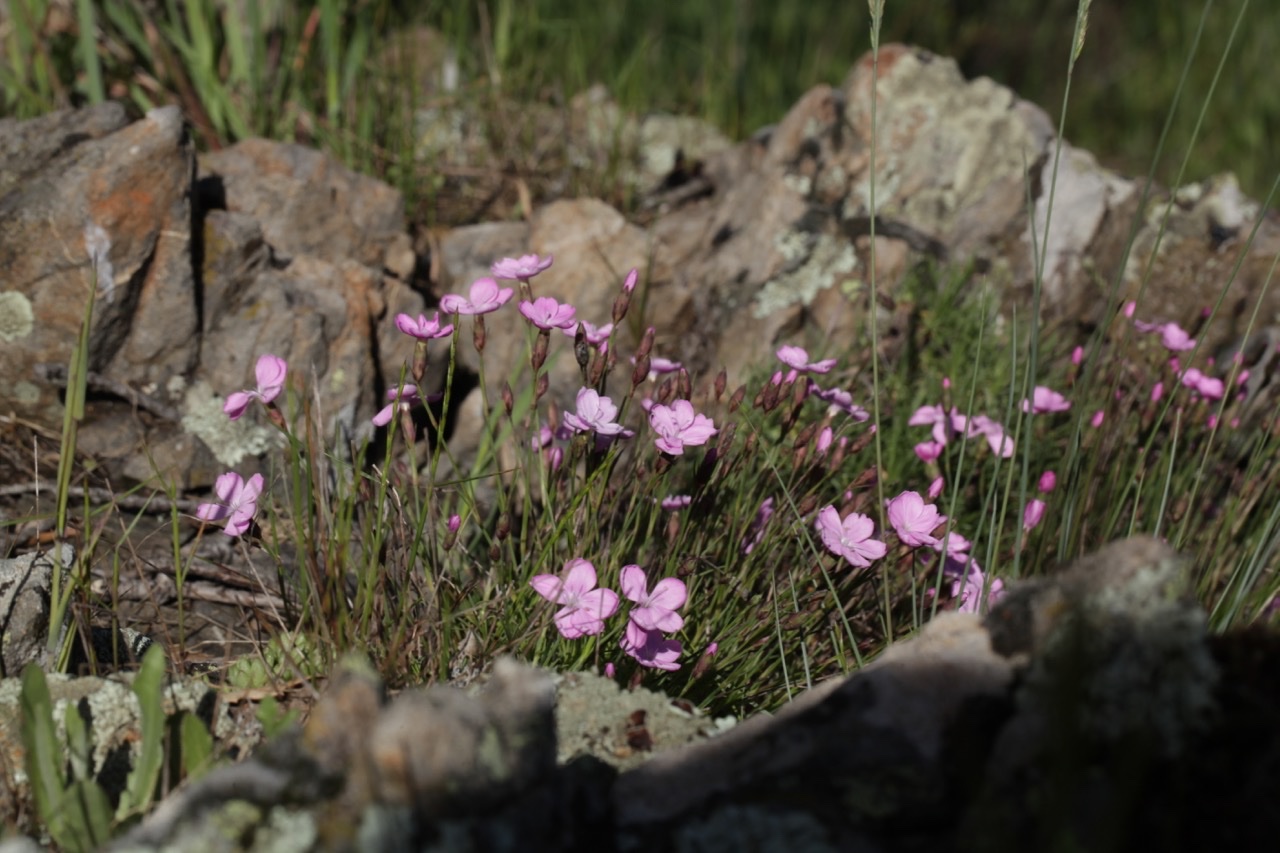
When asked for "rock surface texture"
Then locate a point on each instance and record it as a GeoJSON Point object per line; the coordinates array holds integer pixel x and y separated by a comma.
{"type": "Point", "coordinates": [1089, 710]}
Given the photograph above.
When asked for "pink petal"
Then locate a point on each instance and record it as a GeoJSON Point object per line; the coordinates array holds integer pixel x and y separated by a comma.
{"type": "Point", "coordinates": [633, 583]}
{"type": "Point", "coordinates": [237, 402]}
{"type": "Point", "coordinates": [549, 587]}
{"type": "Point", "coordinates": [581, 577]}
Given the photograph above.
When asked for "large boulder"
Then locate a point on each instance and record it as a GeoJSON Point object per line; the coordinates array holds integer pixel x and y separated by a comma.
{"type": "Point", "coordinates": [1085, 696]}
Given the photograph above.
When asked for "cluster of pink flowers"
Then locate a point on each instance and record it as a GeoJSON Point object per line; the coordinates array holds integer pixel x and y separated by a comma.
{"type": "Point", "coordinates": [584, 609]}
{"type": "Point", "coordinates": [237, 498]}
{"type": "Point", "coordinates": [948, 425]}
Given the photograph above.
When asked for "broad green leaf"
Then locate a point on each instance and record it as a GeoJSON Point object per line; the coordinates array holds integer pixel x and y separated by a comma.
{"type": "Point", "coordinates": [148, 686]}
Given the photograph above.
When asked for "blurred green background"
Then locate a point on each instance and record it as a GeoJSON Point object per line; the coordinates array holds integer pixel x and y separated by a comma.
{"type": "Point", "coordinates": [742, 63]}
{"type": "Point", "coordinates": [307, 70]}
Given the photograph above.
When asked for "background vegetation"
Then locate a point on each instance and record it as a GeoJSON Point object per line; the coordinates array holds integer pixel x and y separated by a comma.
{"type": "Point", "coordinates": [288, 69]}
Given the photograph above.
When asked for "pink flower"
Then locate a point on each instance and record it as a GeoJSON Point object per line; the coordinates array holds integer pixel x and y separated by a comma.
{"type": "Point", "coordinates": [1047, 481]}
{"type": "Point", "coordinates": [677, 425]}
{"type": "Point", "coordinates": [1157, 391]}
{"type": "Point", "coordinates": [1045, 400]}
{"type": "Point", "coordinates": [952, 544]}
{"type": "Point", "coordinates": [585, 607]}
{"type": "Point", "coordinates": [1128, 309]}
{"type": "Point", "coordinates": [1206, 385]}
{"type": "Point", "coordinates": [849, 538]}
{"type": "Point", "coordinates": [270, 372]}
{"type": "Point", "coordinates": [422, 328]}
{"type": "Point", "coordinates": [1096, 420]}
{"type": "Point", "coordinates": [1077, 356]}
{"type": "Point", "coordinates": [798, 359]}
{"type": "Point", "coordinates": [485, 296]}
{"type": "Point", "coordinates": [1032, 514]}
{"type": "Point", "coordinates": [1171, 335]}
{"type": "Point", "coordinates": [454, 522]}
{"type": "Point", "coordinates": [237, 502]}
{"type": "Point", "coordinates": [546, 313]}
{"type": "Point", "coordinates": [935, 488]}
{"type": "Point", "coordinates": [524, 267]}
{"type": "Point", "coordinates": [936, 417]}
{"type": "Point", "coordinates": [609, 670]}
{"type": "Point", "coordinates": [913, 519]}
{"type": "Point", "coordinates": [656, 610]}
{"type": "Point", "coordinates": [402, 399]}
{"type": "Point", "coordinates": [592, 334]}
{"type": "Point", "coordinates": [928, 451]}
{"type": "Point", "coordinates": [839, 400]}
{"type": "Point", "coordinates": [983, 425]}
{"type": "Point", "coordinates": [755, 534]}
{"type": "Point", "coordinates": [650, 648]}
{"type": "Point", "coordinates": [675, 502]}
{"type": "Point", "coordinates": [595, 414]}
{"type": "Point", "coordinates": [968, 592]}
{"type": "Point", "coordinates": [629, 283]}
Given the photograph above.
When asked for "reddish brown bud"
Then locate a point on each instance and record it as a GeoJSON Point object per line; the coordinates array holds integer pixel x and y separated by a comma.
{"type": "Point", "coordinates": [419, 368]}
{"type": "Point", "coordinates": [673, 528]}
{"type": "Point", "coordinates": [722, 379]}
{"type": "Point", "coordinates": [540, 350]}
{"type": "Point", "coordinates": [581, 349]}
{"type": "Point", "coordinates": [494, 551]}
{"type": "Point", "coordinates": [596, 373]}
{"type": "Point", "coordinates": [684, 386]}
{"type": "Point", "coordinates": [504, 526]}
{"type": "Point", "coordinates": [804, 436]}
{"type": "Point", "coordinates": [666, 391]}
{"type": "Point", "coordinates": [640, 372]}
{"type": "Point", "coordinates": [808, 505]}
{"type": "Point", "coordinates": [646, 344]}
{"type": "Point", "coordinates": [798, 456]}
{"type": "Point", "coordinates": [621, 303]}
{"type": "Point", "coordinates": [478, 332]}
{"type": "Point", "coordinates": [544, 382]}
{"type": "Point", "coordinates": [508, 398]}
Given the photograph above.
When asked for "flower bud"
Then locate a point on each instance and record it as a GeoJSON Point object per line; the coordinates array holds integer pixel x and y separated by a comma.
{"type": "Point", "coordinates": [736, 400]}
{"type": "Point", "coordinates": [540, 350]}
{"type": "Point", "coordinates": [722, 379]}
{"type": "Point", "coordinates": [646, 344]}
{"type": "Point", "coordinates": [508, 398]}
{"type": "Point", "coordinates": [478, 336]}
{"type": "Point", "coordinates": [640, 372]}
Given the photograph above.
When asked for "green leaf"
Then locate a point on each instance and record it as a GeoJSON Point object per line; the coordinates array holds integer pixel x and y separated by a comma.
{"type": "Point", "coordinates": [148, 686]}
{"type": "Point", "coordinates": [44, 755]}
{"type": "Point", "coordinates": [86, 817]}
{"type": "Point", "coordinates": [197, 746]}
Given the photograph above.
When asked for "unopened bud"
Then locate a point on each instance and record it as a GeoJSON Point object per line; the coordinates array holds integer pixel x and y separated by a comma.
{"type": "Point", "coordinates": [540, 350]}
{"type": "Point", "coordinates": [684, 385]}
{"type": "Point", "coordinates": [621, 303]}
{"type": "Point", "coordinates": [804, 436]}
{"type": "Point", "coordinates": [581, 349]}
{"type": "Point", "coordinates": [504, 526]}
{"type": "Point", "coordinates": [640, 372]}
{"type": "Point", "coordinates": [722, 379]}
{"type": "Point", "coordinates": [508, 398]}
{"type": "Point", "coordinates": [666, 391]}
{"type": "Point", "coordinates": [673, 527]}
{"type": "Point", "coordinates": [596, 373]}
{"type": "Point", "coordinates": [808, 505]}
{"type": "Point", "coordinates": [478, 332]}
{"type": "Point", "coordinates": [419, 368]}
{"type": "Point", "coordinates": [646, 344]}
{"type": "Point", "coordinates": [544, 382]}
{"type": "Point", "coordinates": [736, 400]}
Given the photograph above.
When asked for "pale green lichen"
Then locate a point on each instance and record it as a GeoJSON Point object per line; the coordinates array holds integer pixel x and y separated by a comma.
{"type": "Point", "coordinates": [829, 261]}
{"type": "Point", "coordinates": [230, 441]}
{"type": "Point", "coordinates": [17, 320]}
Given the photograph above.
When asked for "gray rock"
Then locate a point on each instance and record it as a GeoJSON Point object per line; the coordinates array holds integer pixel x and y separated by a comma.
{"type": "Point", "coordinates": [26, 584]}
